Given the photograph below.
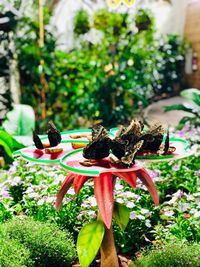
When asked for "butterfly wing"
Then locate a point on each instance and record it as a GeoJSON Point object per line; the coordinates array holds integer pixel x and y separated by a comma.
{"type": "Point", "coordinates": [54, 135]}
{"type": "Point", "coordinates": [130, 155]}
{"type": "Point", "coordinates": [99, 147]}
{"type": "Point", "coordinates": [37, 141]}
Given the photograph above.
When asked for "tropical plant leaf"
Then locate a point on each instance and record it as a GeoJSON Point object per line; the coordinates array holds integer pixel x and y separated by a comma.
{"type": "Point", "coordinates": [7, 138]}
{"type": "Point", "coordinates": [179, 107]}
{"type": "Point", "coordinates": [121, 214]}
{"type": "Point", "coordinates": [6, 148]}
{"type": "Point", "coordinates": [89, 241]}
{"type": "Point", "coordinates": [20, 121]}
{"type": "Point", "coordinates": [192, 94]}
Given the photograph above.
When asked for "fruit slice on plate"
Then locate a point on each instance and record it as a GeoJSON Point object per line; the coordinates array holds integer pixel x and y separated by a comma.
{"type": "Point", "coordinates": [50, 155]}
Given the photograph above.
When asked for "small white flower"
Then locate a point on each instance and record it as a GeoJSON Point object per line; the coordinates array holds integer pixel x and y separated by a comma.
{"type": "Point", "coordinates": [141, 217]}
{"type": "Point", "coordinates": [133, 215]}
{"type": "Point", "coordinates": [148, 223]}
{"type": "Point", "coordinates": [40, 202]}
{"type": "Point", "coordinates": [130, 205]}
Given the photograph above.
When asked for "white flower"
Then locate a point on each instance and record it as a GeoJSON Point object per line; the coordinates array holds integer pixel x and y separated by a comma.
{"type": "Point", "coordinates": [33, 195]}
{"type": "Point", "coordinates": [130, 205]}
{"type": "Point", "coordinates": [92, 201]}
{"type": "Point", "coordinates": [197, 214]}
{"type": "Point", "coordinates": [141, 217]}
{"type": "Point", "coordinates": [148, 223]}
{"type": "Point", "coordinates": [133, 215]}
{"type": "Point", "coordinates": [40, 202]}
{"type": "Point", "coordinates": [71, 191]}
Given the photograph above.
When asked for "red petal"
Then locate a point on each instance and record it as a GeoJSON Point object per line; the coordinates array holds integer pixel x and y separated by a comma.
{"type": "Point", "coordinates": [64, 188]}
{"type": "Point", "coordinates": [79, 181]}
{"type": "Point", "coordinates": [103, 189]}
{"type": "Point", "coordinates": [143, 175]}
{"type": "Point", "coordinates": [129, 177]}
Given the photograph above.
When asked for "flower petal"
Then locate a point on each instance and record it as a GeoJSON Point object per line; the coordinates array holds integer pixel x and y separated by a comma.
{"type": "Point", "coordinates": [129, 177]}
{"type": "Point", "coordinates": [143, 175]}
{"type": "Point", "coordinates": [79, 181]}
{"type": "Point", "coordinates": [64, 188]}
{"type": "Point", "coordinates": [103, 189]}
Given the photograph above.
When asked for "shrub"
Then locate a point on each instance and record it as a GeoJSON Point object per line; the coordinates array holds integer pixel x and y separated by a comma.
{"type": "Point", "coordinates": [173, 255]}
{"type": "Point", "coordinates": [48, 245]}
{"type": "Point", "coordinates": [13, 253]}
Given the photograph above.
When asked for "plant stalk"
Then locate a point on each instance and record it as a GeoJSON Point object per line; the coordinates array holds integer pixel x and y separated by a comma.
{"type": "Point", "coordinates": [108, 250]}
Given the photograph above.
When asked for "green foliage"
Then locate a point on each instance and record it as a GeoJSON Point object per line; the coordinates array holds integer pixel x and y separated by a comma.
{"type": "Point", "coordinates": [48, 245]}
{"type": "Point", "coordinates": [13, 254]}
{"type": "Point", "coordinates": [20, 121]}
{"type": "Point", "coordinates": [8, 145]}
{"type": "Point", "coordinates": [173, 254]}
{"type": "Point", "coordinates": [81, 22]}
{"type": "Point", "coordinates": [194, 110]}
{"type": "Point", "coordinates": [144, 20]}
{"type": "Point", "coordinates": [121, 214]}
{"type": "Point", "coordinates": [102, 79]}
{"type": "Point", "coordinates": [89, 241]}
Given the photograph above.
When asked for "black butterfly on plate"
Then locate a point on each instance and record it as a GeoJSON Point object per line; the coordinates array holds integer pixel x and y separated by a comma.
{"type": "Point", "coordinates": [127, 142]}
{"type": "Point", "coordinates": [99, 146]}
{"type": "Point", "coordinates": [54, 137]}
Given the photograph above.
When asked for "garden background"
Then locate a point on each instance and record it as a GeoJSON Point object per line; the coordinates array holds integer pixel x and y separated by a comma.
{"type": "Point", "coordinates": [81, 63]}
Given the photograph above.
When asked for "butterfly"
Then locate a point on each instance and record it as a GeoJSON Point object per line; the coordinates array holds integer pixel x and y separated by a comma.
{"type": "Point", "coordinates": [127, 143]}
{"type": "Point", "coordinates": [99, 146]}
{"type": "Point", "coordinates": [54, 137]}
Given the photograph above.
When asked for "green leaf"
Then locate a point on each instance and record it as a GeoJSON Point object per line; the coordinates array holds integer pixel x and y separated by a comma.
{"type": "Point", "coordinates": [7, 139]}
{"type": "Point", "coordinates": [179, 107]}
{"type": "Point", "coordinates": [20, 121]}
{"type": "Point", "coordinates": [89, 241]}
{"type": "Point", "coordinates": [6, 148]}
{"type": "Point", "coordinates": [121, 214]}
{"type": "Point", "coordinates": [192, 94]}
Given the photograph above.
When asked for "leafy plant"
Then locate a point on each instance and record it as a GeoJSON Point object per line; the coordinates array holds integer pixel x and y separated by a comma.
{"type": "Point", "coordinates": [20, 121]}
{"type": "Point", "coordinates": [48, 245]}
{"type": "Point", "coordinates": [13, 253]}
{"type": "Point", "coordinates": [81, 22]}
{"type": "Point", "coordinates": [8, 145]}
{"type": "Point", "coordinates": [102, 79]}
{"type": "Point", "coordinates": [172, 254]}
{"type": "Point", "coordinates": [194, 110]}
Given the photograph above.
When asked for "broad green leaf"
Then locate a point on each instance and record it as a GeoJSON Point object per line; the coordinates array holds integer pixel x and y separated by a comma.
{"type": "Point", "coordinates": [89, 241]}
{"type": "Point", "coordinates": [192, 94]}
{"type": "Point", "coordinates": [7, 139]}
{"type": "Point", "coordinates": [6, 148]}
{"type": "Point", "coordinates": [121, 214]}
{"type": "Point", "coordinates": [20, 121]}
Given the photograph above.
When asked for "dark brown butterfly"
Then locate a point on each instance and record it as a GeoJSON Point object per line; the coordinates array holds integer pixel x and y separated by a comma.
{"type": "Point", "coordinates": [99, 147]}
{"type": "Point", "coordinates": [54, 137]}
{"type": "Point", "coordinates": [153, 138]}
